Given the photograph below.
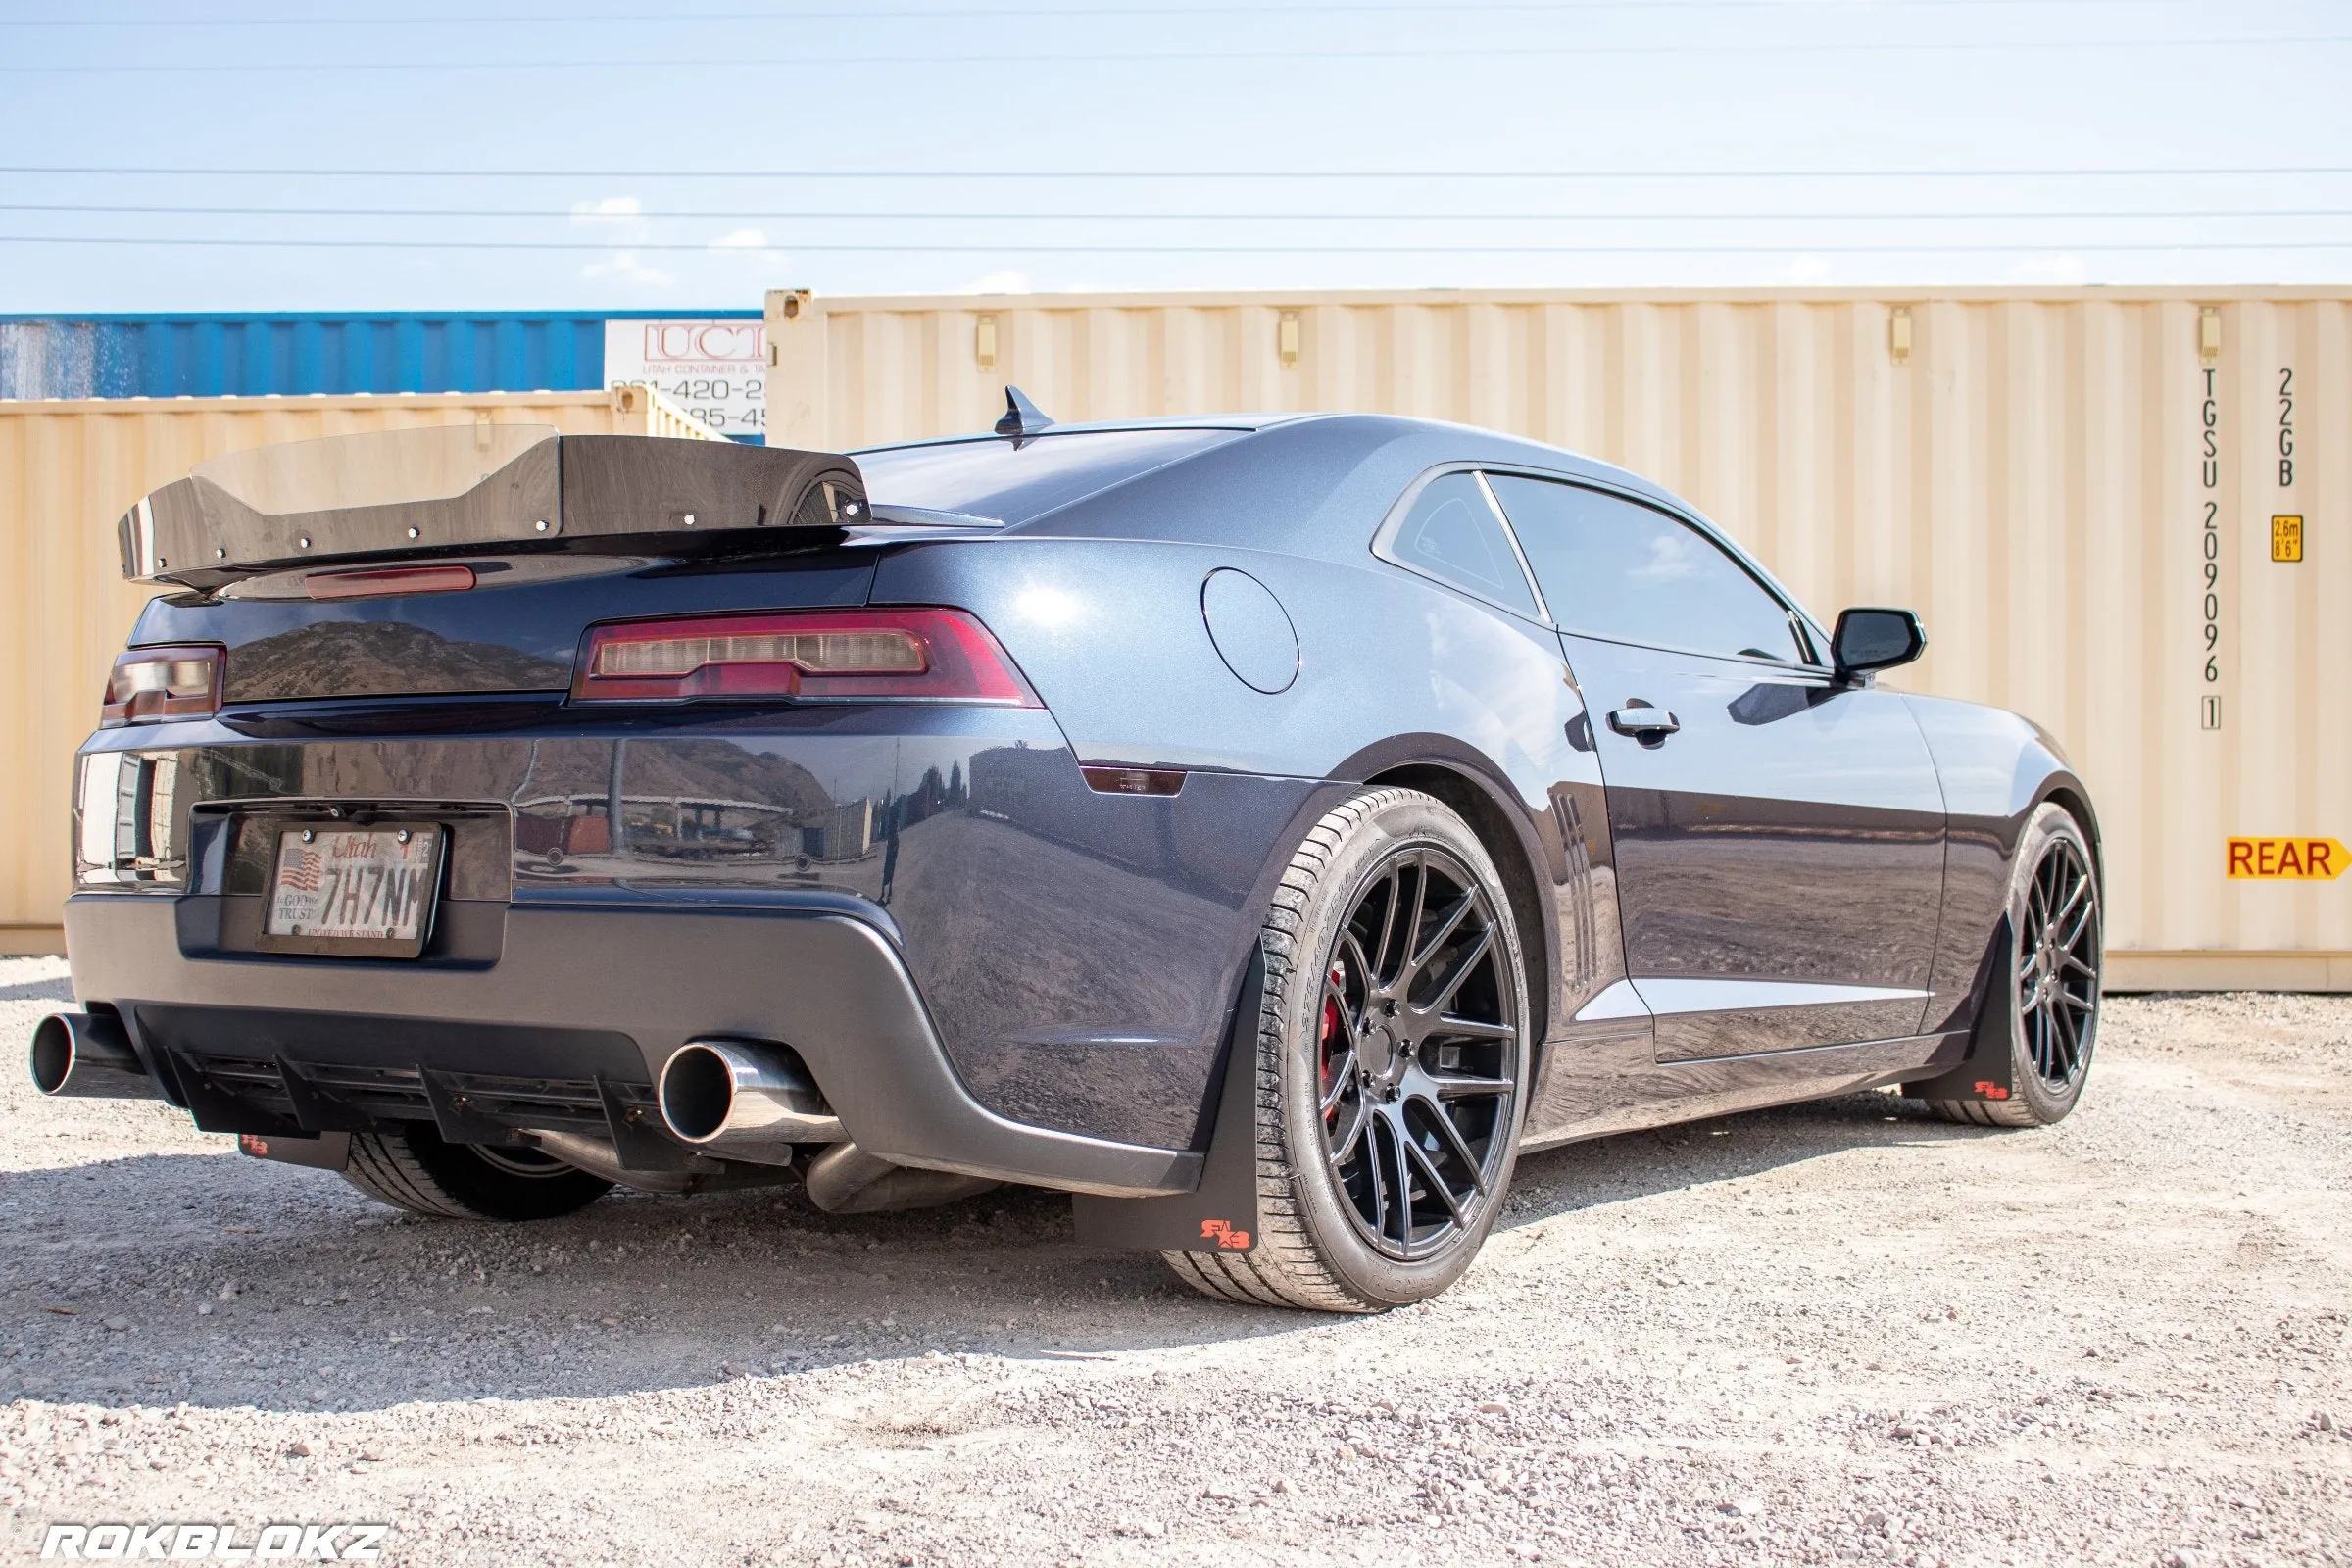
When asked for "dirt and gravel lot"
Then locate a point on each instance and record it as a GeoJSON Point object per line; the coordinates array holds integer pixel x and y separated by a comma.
{"type": "Point", "coordinates": [1838, 1332]}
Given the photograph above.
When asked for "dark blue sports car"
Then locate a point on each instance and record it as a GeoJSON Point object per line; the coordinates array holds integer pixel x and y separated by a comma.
{"type": "Point", "coordinates": [1263, 828]}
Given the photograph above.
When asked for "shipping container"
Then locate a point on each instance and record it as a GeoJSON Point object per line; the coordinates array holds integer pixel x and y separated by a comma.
{"type": "Point", "coordinates": [298, 354]}
{"type": "Point", "coordinates": [2122, 511]}
{"type": "Point", "coordinates": [68, 470]}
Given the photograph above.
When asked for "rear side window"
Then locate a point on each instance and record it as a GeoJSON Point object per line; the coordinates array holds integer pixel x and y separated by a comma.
{"type": "Point", "coordinates": [1453, 535]}
{"type": "Point", "coordinates": [1012, 484]}
{"type": "Point", "coordinates": [1615, 569]}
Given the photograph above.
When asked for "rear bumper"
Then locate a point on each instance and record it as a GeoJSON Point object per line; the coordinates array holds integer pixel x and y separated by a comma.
{"type": "Point", "coordinates": [582, 994]}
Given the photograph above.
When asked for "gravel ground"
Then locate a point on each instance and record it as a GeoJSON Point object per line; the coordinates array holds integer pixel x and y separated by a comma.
{"type": "Point", "coordinates": [1836, 1331]}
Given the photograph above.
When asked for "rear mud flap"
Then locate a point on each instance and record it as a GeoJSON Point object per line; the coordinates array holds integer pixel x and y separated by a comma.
{"type": "Point", "coordinates": [1220, 1215]}
{"type": "Point", "coordinates": [326, 1151]}
{"type": "Point", "coordinates": [1987, 1071]}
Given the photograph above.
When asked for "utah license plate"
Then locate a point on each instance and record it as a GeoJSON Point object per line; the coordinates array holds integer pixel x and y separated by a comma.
{"type": "Point", "coordinates": [360, 891]}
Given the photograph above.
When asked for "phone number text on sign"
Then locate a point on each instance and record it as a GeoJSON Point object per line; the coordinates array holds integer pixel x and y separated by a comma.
{"type": "Point", "coordinates": [717, 371]}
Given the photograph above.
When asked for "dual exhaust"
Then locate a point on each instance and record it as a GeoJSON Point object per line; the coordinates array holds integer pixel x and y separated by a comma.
{"type": "Point", "coordinates": [733, 1098]}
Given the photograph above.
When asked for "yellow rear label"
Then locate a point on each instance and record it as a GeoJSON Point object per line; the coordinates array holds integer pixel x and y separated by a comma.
{"type": "Point", "coordinates": [2289, 860]}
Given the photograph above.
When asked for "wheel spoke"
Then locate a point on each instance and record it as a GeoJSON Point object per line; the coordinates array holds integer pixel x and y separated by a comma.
{"type": "Point", "coordinates": [1447, 927]}
{"type": "Point", "coordinates": [1345, 1147]}
{"type": "Point", "coordinates": [1462, 971]}
{"type": "Point", "coordinates": [1394, 883]}
{"type": "Point", "coordinates": [1437, 1182]}
{"type": "Point", "coordinates": [1452, 1137]}
{"type": "Point", "coordinates": [1412, 925]}
{"type": "Point", "coordinates": [1343, 1075]}
{"type": "Point", "coordinates": [1374, 1166]}
{"type": "Point", "coordinates": [1449, 1027]}
{"type": "Point", "coordinates": [1447, 1086]}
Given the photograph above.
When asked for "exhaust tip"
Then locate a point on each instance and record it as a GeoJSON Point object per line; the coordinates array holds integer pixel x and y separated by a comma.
{"type": "Point", "coordinates": [52, 1054]}
{"type": "Point", "coordinates": [697, 1092]}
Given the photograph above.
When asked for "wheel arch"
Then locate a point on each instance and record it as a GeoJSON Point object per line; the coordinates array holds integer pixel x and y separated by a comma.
{"type": "Point", "coordinates": [1510, 842]}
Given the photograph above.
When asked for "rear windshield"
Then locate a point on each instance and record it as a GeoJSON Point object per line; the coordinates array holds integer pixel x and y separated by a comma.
{"type": "Point", "coordinates": [996, 479]}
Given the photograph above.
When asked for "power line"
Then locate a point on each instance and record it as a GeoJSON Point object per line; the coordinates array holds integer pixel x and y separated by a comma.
{"type": "Point", "coordinates": [1160, 56]}
{"type": "Point", "coordinates": [589, 213]}
{"type": "Point", "coordinates": [995, 14]}
{"type": "Point", "coordinates": [592, 215]}
{"type": "Point", "coordinates": [1178, 250]}
{"type": "Point", "coordinates": [2173, 172]}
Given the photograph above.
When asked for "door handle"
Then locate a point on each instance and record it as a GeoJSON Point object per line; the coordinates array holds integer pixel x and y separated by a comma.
{"type": "Point", "coordinates": [1645, 723]}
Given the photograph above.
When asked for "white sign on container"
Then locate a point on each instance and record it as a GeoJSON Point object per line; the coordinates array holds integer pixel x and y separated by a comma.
{"type": "Point", "coordinates": [717, 371]}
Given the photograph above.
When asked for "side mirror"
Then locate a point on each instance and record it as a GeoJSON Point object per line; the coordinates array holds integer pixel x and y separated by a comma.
{"type": "Point", "coordinates": [1868, 640]}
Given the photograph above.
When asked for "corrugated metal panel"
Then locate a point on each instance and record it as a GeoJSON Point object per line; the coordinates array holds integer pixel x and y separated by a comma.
{"type": "Point", "coordinates": [68, 470]}
{"type": "Point", "coordinates": [298, 355]}
{"type": "Point", "coordinates": [2032, 476]}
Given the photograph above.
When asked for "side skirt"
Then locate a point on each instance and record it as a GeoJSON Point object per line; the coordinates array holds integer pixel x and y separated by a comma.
{"type": "Point", "coordinates": [1661, 1094]}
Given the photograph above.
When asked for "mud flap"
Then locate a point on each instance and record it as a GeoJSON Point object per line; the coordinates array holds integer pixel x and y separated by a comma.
{"type": "Point", "coordinates": [325, 1151]}
{"type": "Point", "coordinates": [1220, 1215]}
{"type": "Point", "coordinates": [1987, 1071]}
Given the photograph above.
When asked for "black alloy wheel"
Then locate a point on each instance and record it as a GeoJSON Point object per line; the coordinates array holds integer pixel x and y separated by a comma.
{"type": "Point", "coordinates": [2058, 965]}
{"type": "Point", "coordinates": [2050, 1014]}
{"type": "Point", "coordinates": [1417, 1053]}
{"type": "Point", "coordinates": [1389, 1057]}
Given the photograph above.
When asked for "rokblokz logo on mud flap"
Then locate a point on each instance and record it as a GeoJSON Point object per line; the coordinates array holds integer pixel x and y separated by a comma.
{"type": "Point", "coordinates": [177, 1541]}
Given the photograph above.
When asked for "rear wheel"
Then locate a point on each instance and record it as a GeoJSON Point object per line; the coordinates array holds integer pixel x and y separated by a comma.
{"type": "Point", "coordinates": [2053, 1006]}
{"type": "Point", "coordinates": [1391, 1061]}
{"type": "Point", "coordinates": [412, 1167]}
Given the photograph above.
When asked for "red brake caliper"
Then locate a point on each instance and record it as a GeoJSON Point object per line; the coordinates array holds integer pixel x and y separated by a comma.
{"type": "Point", "coordinates": [1334, 1042]}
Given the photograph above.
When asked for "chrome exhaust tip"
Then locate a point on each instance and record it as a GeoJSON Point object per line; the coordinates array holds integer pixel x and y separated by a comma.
{"type": "Point", "coordinates": [730, 1095]}
{"type": "Point", "coordinates": [86, 1055]}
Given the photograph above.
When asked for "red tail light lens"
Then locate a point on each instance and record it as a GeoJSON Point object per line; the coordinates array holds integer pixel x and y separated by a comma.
{"type": "Point", "coordinates": [936, 656]}
{"type": "Point", "coordinates": [150, 683]}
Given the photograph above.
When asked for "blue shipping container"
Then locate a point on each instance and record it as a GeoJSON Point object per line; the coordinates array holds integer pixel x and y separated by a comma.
{"type": "Point", "coordinates": [206, 356]}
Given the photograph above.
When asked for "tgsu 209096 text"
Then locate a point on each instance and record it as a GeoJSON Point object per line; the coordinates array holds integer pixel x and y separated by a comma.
{"type": "Point", "coordinates": [1263, 829]}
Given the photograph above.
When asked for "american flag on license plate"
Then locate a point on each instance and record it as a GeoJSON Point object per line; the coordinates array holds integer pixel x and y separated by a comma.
{"type": "Point", "coordinates": [309, 867]}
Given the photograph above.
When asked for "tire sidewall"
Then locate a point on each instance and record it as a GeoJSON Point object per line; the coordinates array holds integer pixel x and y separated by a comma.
{"type": "Point", "coordinates": [2049, 823]}
{"type": "Point", "coordinates": [1294, 1031]}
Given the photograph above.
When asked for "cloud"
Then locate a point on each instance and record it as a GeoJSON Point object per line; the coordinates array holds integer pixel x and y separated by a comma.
{"type": "Point", "coordinates": [1808, 269]}
{"type": "Point", "coordinates": [628, 266]}
{"type": "Point", "coordinates": [751, 243]}
{"type": "Point", "coordinates": [999, 283]}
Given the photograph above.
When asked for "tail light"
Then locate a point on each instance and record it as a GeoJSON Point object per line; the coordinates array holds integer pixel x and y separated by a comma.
{"type": "Point", "coordinates": [935, 655]}
{"type": "Point", "coordinates": [149, 683]}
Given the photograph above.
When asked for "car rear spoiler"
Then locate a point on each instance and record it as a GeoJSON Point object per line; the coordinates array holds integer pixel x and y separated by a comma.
{"type": "Point", "coordinates": [451, 489]}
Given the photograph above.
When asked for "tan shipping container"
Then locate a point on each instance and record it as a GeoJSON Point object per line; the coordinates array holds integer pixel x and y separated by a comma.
{"type": "Point", "coordinates": [68, 470]}
{"type": "Point", "coordinates": [2033, 470]}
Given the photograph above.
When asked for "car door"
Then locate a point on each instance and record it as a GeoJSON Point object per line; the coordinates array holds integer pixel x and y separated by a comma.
{"type": "Point", "coordinates": [1779, 833]}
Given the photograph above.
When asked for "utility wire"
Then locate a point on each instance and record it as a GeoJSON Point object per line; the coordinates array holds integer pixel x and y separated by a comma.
{"type": "Point", "coordinates": [1174, 250]}
{"type": "Point", "coordinates": [995, 14]}
{"type": "Point", "coordinates": [590, 213]}
{"type": "Point", "coordinates": [1284, 57]}
{"type": "Point", "coordinates": [2175, 172]}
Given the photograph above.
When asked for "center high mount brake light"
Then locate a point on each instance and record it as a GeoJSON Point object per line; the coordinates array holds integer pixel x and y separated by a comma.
{"type": "Point", "coordinates": [156, 683]}
{"type": "Point", "coordinates": [865, 655]}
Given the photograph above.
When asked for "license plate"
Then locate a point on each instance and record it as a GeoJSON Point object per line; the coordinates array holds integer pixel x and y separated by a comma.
{"type": "Point", "coordinates": [367, 892]}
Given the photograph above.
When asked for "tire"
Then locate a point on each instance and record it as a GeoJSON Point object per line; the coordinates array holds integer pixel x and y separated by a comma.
{"type": "Point", "coordinates": [410, 1167]}
{"type": "Point", "coordinates": [2052, 1007]}
{"type": "Point", "coordinates": [1363, 1047]}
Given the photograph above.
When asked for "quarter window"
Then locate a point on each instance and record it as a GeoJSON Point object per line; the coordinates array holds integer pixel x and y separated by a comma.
{"type": "Point", "coordinates": [1615, 569]}
{"type": "Point", "coordinates": [1452, 535]}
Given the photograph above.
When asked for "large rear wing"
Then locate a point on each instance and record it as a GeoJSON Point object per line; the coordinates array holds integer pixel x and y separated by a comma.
{"type": "Point", "coordinates": [449, 489]}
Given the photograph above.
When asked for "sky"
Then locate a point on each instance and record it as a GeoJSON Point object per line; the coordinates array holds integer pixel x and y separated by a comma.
{"type": "Point", "coordinates": [357, 154]}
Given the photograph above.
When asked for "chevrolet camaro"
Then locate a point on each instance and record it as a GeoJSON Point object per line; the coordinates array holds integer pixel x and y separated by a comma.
{"type": "Point", "coordinates": [1263, 828]}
